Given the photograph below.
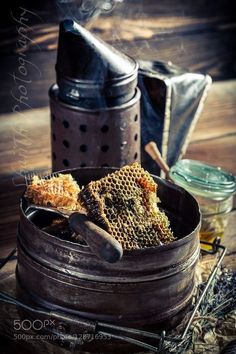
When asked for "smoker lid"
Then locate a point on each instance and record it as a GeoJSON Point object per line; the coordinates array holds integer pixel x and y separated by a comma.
{"type": "Point", "coordinates": [91, 64]}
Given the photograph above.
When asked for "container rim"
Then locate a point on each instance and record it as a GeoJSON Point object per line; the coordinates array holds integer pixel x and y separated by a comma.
{"type": "Point", "coordinates": [126, 253]}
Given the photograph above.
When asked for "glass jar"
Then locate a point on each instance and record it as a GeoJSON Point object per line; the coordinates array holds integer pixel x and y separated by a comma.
{"type": "Point", "coordinates": [213, 188]}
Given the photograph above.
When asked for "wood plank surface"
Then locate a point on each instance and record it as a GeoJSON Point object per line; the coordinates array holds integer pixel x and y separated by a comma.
{"type": "Point", "coordinates": [194, 52]}
{"type": "Point", "coordinates": [217, 151]}
{"type": "Point", "coordinates": [218, 117]}
{"type": "Point", "coordinates": [25, 141]}
{"type": "Point", "coordinates": [198, 37]}
{"type": "Point", "coordinates": [44, 36]}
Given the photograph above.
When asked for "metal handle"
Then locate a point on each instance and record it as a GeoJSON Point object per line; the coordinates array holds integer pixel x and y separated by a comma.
{"type": "Point", "coordinates": [101, 242]}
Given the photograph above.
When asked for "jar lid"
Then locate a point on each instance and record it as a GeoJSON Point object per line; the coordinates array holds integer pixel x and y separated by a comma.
{"type": "Point", "coordinates": [203, 180]}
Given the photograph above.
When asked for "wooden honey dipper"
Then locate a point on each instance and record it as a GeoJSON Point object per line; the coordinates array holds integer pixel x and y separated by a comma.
{"type": "Point", "coordinates": [153, 151]}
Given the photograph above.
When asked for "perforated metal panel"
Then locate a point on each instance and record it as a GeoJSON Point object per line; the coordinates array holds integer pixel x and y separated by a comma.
{"type": "Point", "coordinates": [83, 137]}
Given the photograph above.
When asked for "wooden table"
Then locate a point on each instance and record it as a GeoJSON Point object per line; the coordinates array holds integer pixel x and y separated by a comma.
{"type": "Point", "coordinates": [205, 43]}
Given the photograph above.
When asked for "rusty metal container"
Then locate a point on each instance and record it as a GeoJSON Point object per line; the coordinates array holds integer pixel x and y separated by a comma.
{"type": "Point", "coordinates": [151, 286]}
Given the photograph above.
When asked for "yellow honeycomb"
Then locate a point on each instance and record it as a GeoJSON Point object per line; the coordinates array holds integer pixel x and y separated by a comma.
{"type": "Point", "coordinates": [125, 204]}
{"type": "Point", "coordinates": [59, 191]}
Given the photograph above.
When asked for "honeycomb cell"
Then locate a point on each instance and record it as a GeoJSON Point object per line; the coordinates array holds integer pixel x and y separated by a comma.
{"type": "Point", "coordinates": [132, 215]}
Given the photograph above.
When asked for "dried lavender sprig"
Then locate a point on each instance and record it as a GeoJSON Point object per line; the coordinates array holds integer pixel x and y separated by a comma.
{"type": "Point", "coordinates": [219, 301]}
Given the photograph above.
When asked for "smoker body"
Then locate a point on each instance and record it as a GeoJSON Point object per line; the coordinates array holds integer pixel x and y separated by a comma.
{"type": "Point", "coordinates": [91, 137]}
{"type": "Point", "coordinates": [95, 110]}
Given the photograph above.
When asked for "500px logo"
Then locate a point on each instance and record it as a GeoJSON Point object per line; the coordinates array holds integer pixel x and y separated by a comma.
{"type": "Point", "coordinates": [35, 325]}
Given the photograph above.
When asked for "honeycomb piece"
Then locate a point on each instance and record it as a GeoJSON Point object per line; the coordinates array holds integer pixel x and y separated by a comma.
{"type": "Point", "coordinates": [124, 203]}
{"type": "Point", "coordinates": [60, 192]}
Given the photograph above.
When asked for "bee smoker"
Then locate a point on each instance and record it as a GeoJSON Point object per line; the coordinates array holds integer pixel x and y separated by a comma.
{"type": "Point", "coordinates": [95, 111]}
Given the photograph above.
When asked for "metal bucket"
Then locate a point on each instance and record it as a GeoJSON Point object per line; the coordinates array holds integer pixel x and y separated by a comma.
{"type": "Point", "coordinates": [147, 287]}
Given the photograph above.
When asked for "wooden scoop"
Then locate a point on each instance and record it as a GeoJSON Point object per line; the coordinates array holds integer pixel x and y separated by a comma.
{"type": "Point", "coordinates": [100, 242]}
